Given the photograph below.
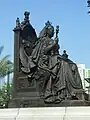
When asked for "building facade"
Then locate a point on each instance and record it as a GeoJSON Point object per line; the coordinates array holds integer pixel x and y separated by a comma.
{"type": "Point", "coordinates": [84, 73]}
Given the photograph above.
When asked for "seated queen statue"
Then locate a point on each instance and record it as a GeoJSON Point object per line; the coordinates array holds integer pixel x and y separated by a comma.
{"type": "Point", "coordinates": [58, 76]}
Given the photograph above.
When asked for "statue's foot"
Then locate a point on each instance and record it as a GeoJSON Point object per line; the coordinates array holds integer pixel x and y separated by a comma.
{"type": "Point", "coordinates": [49, 99]}
{"type": "Point", "coordinates": [58, 99]}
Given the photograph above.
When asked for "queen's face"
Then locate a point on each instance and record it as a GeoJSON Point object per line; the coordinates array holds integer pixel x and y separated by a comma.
{"type": "Point", "coordinates": [51, 31]}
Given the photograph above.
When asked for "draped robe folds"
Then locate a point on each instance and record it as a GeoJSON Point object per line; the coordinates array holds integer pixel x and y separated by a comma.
{"type": "Point", "coordinates": [66, 79]}
{"type": "Point", "coordinates": [66, 84]}
{"type": "Point", "coordinates": [61, 79]}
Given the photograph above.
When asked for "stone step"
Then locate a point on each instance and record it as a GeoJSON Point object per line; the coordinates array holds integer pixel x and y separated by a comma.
{"type": "Point", "coordinates": [46, 113]}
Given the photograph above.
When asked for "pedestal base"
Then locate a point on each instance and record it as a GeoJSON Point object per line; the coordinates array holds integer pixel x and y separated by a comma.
{"type": "Point", "coordinates": [28, 102]}
{"type": "Point", "coordinates": [32, 99]}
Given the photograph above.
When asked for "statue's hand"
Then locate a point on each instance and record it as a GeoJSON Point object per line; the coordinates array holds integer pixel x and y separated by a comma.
{"type": "Point", "coordinates": [56, 39]}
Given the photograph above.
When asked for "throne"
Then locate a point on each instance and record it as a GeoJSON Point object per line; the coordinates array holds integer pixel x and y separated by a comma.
{"type": "Point", "coordinates": [24, 89]}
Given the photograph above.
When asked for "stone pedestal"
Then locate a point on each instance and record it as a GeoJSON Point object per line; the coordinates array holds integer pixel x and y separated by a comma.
{"type": "Point", "coordinates": [24, 102]}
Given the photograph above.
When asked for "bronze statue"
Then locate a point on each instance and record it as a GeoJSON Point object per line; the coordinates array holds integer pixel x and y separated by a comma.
{"type": "Point", "coordinates": [60, 77]}
{"type": "Point", "coordinates": [56, 77]}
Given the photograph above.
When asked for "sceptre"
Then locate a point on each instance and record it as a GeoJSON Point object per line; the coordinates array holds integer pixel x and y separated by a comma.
{"type": "Point", "coordinates": [57, 31]}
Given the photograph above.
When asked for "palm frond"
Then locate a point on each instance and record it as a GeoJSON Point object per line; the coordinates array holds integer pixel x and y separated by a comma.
{"type": "Point", "coordinates": [5, 65]}
{"type": "Point", "coordinates": [5, 58]}
{"type": "Point", "coordinates": [5, 69]}
{"type": "Point", "coordinates": [1, 49]}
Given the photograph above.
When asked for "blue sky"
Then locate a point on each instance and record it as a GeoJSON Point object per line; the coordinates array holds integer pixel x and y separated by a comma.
{"type": "Point", "coordinates": [70, 15]}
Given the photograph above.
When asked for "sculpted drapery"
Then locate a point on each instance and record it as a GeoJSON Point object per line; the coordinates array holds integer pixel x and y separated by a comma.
{"type": "Point", "coordinates": [59, 75]}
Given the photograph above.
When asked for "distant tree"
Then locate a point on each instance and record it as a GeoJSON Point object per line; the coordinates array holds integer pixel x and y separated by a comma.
{"type": "Point", "coordinates": [5, 64]}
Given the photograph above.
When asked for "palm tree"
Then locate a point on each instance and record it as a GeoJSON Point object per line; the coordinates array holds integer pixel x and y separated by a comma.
{"type": "Point", "coordinates": [6, 66]}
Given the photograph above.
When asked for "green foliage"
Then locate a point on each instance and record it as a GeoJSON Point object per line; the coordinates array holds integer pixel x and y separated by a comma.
{"type": "Point", "coordinates": [5, 95]}
{"type": "Point", "coordinates": [5, 65]}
